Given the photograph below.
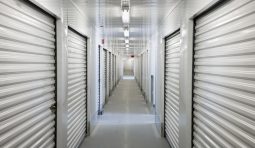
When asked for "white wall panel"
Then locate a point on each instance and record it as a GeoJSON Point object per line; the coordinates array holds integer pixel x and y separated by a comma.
{"type": "Point", "coordinates": [51, 6]}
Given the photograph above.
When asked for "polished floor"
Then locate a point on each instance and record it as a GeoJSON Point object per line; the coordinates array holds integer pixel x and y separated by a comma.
{"type": "Point", "coordinates": [126, 122]}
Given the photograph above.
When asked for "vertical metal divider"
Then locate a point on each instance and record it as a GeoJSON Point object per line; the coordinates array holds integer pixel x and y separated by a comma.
{"type": "Point", "coordinates": [56, 81]}
{"type": "Point", "coordinates": [193, 75]}
{"type": "Point", "coordinates": [164, 75]}
{"type": "Point", "coordinates": [61, 127]}
{"type": "Point", "coordinates": [86, 88]}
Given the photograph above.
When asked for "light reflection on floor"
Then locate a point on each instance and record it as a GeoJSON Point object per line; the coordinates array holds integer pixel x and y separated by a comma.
{"type": "Point", "coordinates": [126, 122]}
{"type": "Point", "coordinates": [113, 119]}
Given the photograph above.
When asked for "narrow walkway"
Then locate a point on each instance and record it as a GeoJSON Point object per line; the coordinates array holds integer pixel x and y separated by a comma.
{"type": "Point", "coordinates": [126, 122]}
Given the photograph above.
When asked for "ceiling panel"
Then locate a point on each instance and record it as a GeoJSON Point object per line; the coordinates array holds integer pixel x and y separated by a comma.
{"type": "Point", "coordinates": [145, 15]}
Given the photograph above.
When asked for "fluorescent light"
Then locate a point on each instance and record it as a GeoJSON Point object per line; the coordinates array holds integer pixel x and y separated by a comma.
{"type": "Point", "coordinates": [127, 48]}
{"type": "Point", "coordinates": [126, 33]}
{"type": "Point", "coordinates": [127, 45]}
{"type": "Point", "coordinates": [126, 41]}
{"type": "Point", "coordinates": [125, 16]}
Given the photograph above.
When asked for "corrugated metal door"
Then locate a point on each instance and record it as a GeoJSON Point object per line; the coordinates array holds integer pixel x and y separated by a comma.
{"type": "Point", "coordinates": [139, 70]}
{"type": "Point", "coordinates": [115, 65]}
{"type": "Point", "coordinates": [77, 88]}
{"type": "Point", "coordinates": [142, 74]}
{"type": "Point", "coordinates": [110, 73]}
{"type": "Point", "coordinates": [100, 81]}
{"type": "Point", "coordinates": [27, 76]}
{"type": "Point", "coordinates": [118, 68]}
{"type": "Point", "coordinates": [224, 76]}
{"type": "Point", "coordinates": [105, 75]}
{"type": "Point", "coordinates": [171, 86]}
{"type": "Point", "coordinates": [103, 80]}
{"type": "Point", "coordinates": [113, 71]}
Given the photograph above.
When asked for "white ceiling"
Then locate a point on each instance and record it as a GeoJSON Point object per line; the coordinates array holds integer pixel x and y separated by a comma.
{"type": "Point", "coordinates": [145, 15]}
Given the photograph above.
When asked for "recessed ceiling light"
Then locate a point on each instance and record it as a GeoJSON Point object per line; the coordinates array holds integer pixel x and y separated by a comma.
{"type": "Point", "coordinates": [126, 32]}
{"type": "Point", "coordinates": [125, 16]}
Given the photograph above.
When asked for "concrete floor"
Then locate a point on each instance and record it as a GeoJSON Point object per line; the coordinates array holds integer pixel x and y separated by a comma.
{"type": "Point", "coordinates": [126, 122]}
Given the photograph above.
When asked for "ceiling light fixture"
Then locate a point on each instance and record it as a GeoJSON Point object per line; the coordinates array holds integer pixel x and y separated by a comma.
{"type": "Point", "coordinates": [125, 7]}
{"type": "Point", "coordinates": [126, 41]}
{"type": "Point", "coordinates": [126, 32]}
{"type": "Point", "coordinates": [125, 16]}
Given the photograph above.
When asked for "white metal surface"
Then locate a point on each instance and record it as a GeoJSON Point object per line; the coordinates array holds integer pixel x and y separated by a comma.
{"type": "Point", "coordinates": [142, 73]}
{"type": "Point", "coordinates": [224, 92]}
{"type": "Point", "coordinates": [140, 70]}
{"type": "Point", "coordinates": [171, 85]}
{"type": "Point", "coordinates": [110, 73]}
{"type": "Point", "coordinates": [100, 79]}
{"type": "Point", "coordinates": [27, 76]}
{"type": "Point", "coordinates": [113, 71]}
{"type": "Point", "coordinates": [116, 75]}
{"type": "Point", "coordinates": [117, 69]}
{"type": "Point", "coordinates": [77, 89]}
{"type": "Point", "coordinates": [104, 81]}
{"type": "Point", "coordinates": [144, 69]}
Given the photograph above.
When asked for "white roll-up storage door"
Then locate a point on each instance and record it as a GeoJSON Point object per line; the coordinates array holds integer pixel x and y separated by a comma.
{"type": "Point", "coordinates": [118, 68]}
{"type": "Point", "coordinates": [77, 88]}
{"type": "Point", "coordinates": [141, 70]}
{"type": "Point", "coordinates": [100, 83]}
{"type": "Point", "coordinates": [110, 73]}
{"type": "Point", "coordinates": [171, 85]}
{"type": "Point", "coordinates": [27, 76]}
{"type": "Point", "coordinates": [113, 71]}
{"type": "Point", "coordinates": [101, 91]}
{"type": "Point", "coordinates": [144, 73]}
{"type": "Point", "coordinates": [224, 76]}
{"type": "Point", "coordinates": [115, 65]}
{"type": "Point", "coordinates": [104, 75]}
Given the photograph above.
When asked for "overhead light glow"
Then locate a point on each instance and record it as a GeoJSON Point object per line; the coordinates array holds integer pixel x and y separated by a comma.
{"type": "Point", "coordinates": [127, 45]}
{"type": "Point", "coordinates": [126, 41]}
{"type": "Point", "coordinates": [126, 33]}
{"type": "Point", "coordinates": [125, 16]}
